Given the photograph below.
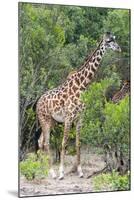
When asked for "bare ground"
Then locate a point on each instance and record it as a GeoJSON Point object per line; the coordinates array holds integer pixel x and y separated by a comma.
{"type": "Point", "coordinates": [91, 162]}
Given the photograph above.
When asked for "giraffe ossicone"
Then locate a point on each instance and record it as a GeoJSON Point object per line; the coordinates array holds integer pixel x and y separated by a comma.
{"type": "Point", "coordinates": [63, 104]}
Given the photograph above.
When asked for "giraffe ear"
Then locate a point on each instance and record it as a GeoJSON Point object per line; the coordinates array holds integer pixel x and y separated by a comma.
{"type": "Point", "coordinates": [107, 35]}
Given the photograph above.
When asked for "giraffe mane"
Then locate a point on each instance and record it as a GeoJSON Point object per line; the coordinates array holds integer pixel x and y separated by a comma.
{"type": "Point", "coordinates": [89, 57]}
{"type": "Point", "coordinates": [71, 73]}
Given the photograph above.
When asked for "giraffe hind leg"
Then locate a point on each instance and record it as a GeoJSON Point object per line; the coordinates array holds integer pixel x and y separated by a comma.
{"type": "Point", "coordinates": [64, 143]}
{"type": "Point", "coordinates": [44, 143]}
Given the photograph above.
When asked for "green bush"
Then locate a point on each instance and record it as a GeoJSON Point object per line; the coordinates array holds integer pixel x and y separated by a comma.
{"type": "Point", "coordinates": [93, 117]}
{"type": "Point", "coordinates": [116, 127]}
{"type": "Point", "coordinates": [34, 166]}
{"type": "Point", "coordinates": [111, 181]}
{"type": "Point", "coordinates": [105, 122]}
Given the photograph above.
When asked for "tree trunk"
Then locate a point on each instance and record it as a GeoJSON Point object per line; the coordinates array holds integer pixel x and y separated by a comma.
{"type": "Point", "coordinates": [116, 160]}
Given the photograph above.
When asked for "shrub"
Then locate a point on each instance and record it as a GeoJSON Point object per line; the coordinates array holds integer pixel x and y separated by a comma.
{"type": "Point", "coordinates": [111, 181]}
{"type": "Point", "coordinates": [104, 121]}
{"type": "Point", "coordinates": [116, 126]}
{"type": "Point", "coordinates": [94, 115]}
{"type": "Point", "coordinates": [34, 166]}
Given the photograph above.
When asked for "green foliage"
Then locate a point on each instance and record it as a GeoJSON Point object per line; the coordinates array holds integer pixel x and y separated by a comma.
{"type": "Point", "coordinates": [34, 166]}
{"type": "Point", "coordinates": [119, 22]}
{"type": "Point", "coordinates": [116, 127]}
{"type": "Point", "coordinates": [111, 181]}
{"type": "Point", "coordinates": [115, 18]}
{"type": "Point", "coordinates": [105, 122]}
{"type": "Point", "coordinates": [93, 117]}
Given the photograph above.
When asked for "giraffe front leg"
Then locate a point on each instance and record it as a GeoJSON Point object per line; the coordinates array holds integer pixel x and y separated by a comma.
{"type": "Point", "coordinates": [79, 169]}
{"type": "Point", "coordinates": [64, 142]}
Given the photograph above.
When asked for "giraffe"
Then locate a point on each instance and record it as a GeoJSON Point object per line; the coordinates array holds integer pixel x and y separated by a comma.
{"type": "Point", "coordinates": [125, 90]}
{"type": "Point", "coordinates": [63, 104]}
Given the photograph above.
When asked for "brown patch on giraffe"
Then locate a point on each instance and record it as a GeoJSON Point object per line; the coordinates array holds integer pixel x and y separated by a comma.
{"type": "Point", "coordinates": [55, 96]}
{"type": "Point", "coordinates": [75, 100]}
{"type": "Point", "coordinates": [61, 102]}
{"type": "Point", "coordinates": [98, 59]}
{"type": "Point", "coordinates": [77, 81]}
{"type": "Point", "coordinates": [98, 53]}
{"type": "Point", "coordinates": [41, 110]}
{"type": "Point", "coordinates": [65, 90]}
{"type": "Point", "coordinates": [83, 71]}
{"type": "Point", "coordinates": [93, 68]}
{"type": "Point", "coordinates": [79, 73]}
{"type": "Point", "coordinates": [74, 88]}
{"type": "Point", "coordinates": [90, 75]}
{"type": "Point", "coordinates": [86, 73]}
{"type": "Point", "coordinates": [85, 83]}
{"type": "Point", "coordinates": [70, 83]}
{"type": "Point", "coordinates": [64, 95]}
{"type": "Point", "coordinates": [96, 64]}
{"type": "Point", "coordinates": [70, 92]}
{"type": "Point", "coordinates": [59, 95]}
{"type": "Point", "coordinates": [75, 112]}
{"type": "Point", "coordinates": [77, 95]}
{"type": "Point", "coordinates": [101, 53]}
{"type": "Point", "coordinates": [82, 78]}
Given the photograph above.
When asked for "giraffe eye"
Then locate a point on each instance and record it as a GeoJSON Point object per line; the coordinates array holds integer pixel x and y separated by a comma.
{"type": "Point", "coordinates": [110, 41]}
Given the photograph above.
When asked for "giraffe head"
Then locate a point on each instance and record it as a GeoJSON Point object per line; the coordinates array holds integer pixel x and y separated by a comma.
{"type": "Point", "coordinates": [126, 84]}
{"type": "Point", "coordinates": [110, 42]}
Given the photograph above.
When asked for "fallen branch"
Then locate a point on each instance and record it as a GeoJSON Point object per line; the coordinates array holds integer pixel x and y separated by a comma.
{"type": "Point", "coordinates": [105, 169]}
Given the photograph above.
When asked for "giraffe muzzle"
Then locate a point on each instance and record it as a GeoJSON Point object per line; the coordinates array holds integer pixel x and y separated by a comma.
{"type": "Point", "coordinates": [119, 49]}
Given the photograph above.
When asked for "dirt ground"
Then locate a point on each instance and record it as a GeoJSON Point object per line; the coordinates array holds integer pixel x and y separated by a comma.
{"type": "Point", "coordinates": [91, 162]}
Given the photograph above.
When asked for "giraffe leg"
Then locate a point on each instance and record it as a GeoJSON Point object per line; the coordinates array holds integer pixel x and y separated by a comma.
{"type": "Point", "coordinates": [64, 143]}
{"type": "Point", "coordinates": [44, 143]}
{"type": "Point", "coordinates": [79, 169]}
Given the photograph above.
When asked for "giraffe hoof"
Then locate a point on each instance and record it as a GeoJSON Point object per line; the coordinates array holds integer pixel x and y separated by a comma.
{"type": "Point", "coordinates": [81, 175]}
{"type": "Point", "coordinates": [61, 177]}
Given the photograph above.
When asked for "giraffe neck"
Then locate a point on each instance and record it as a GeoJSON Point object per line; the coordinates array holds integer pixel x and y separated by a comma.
{"type": "Point", "coordinates": [88, 70]}
{"type": "Point", "coordinates": [121, 93]}
{"type": "Point", "coordinates": [125, 88]}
